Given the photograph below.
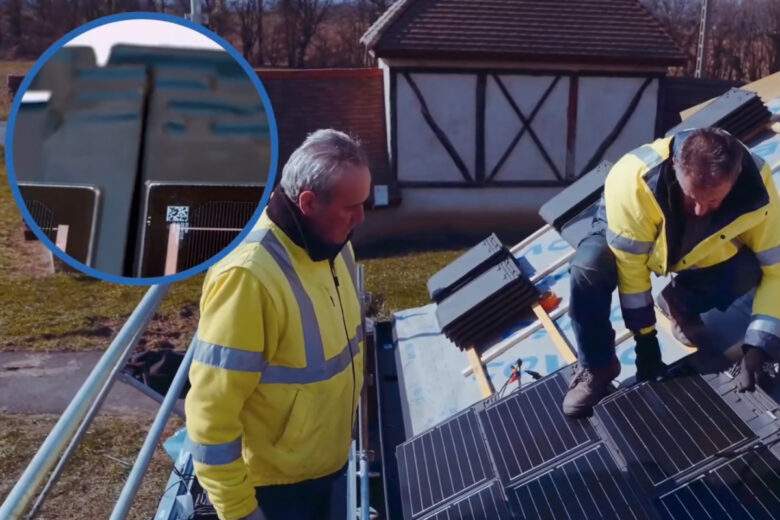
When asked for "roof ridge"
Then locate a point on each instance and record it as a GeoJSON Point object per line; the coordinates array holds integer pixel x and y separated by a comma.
{"type": "Point", "coordinates": [372, 35]}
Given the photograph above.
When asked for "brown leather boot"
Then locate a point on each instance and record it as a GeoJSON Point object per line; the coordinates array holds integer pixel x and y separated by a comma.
{"type": "Point", "coordinates": [588, 387]}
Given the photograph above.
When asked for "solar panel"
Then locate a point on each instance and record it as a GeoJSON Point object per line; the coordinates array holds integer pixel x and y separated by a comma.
{"type": "Point", "coordinates": [488, 503]}
{"type": "Point", "coordinates": [442, 463]}
{"type": "Point", "coordinates": [667, 429]}
{"type": "Point", "coordinates": [746, 487]}
{"type": "Point", "coordinates": [211, 215]}
{"type": "Point", "coordinates": [74, 206]}
{"type": "Point", "coordinates": [588, 486]}
{"type": "Point", "coordinates": [528, 429]}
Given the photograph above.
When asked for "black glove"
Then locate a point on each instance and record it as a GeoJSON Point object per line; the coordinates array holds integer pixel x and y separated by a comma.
{"type": "Point", "coordinates": [649, 365]}
{"type": "Point", "coordinates": [753, 369]}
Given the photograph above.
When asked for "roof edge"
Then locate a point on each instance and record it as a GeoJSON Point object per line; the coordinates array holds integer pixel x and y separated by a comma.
{"type": "Point", "coordinates": [371, 37]}
{"type": "Point", "coordinates": [356, 73]}
{"type": "Point", "coordinates": [449, 55]}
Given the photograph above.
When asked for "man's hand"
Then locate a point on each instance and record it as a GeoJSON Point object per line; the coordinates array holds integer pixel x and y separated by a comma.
{"type": "Point", "coordinates": [649, 365]}
{"type": "Point", "coordinates": [753, 369]}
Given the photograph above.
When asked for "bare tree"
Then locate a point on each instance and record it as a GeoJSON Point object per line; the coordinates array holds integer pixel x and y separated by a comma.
{"type": "Point", "coordinates": [250, 28]}
{"type": "Point", "coordinates": [302, 19]}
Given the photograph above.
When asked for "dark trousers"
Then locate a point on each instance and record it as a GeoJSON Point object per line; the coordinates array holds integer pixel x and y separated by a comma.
{"type": "Point", "coordinates": [594, 279]}
{"type": "Point", "coordinates": [323, 498]}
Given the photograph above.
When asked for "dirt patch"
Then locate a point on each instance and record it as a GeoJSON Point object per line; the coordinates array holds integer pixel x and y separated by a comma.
{"type": "Point", "coordinates": [93, 478]}
{"type": "Point", "coordinates": [171, 331]}
{"type": "Point", "coordinates": [30, 258]}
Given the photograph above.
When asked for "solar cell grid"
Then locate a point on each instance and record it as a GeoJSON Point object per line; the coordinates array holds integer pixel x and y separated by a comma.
{"type": "Point", "coordinates": [665, 429]}
{"type": "Point", "coordinates": [528, 429]}
{"type": "Point", "coordinates": [588, 486]}
{"type": "Point", "coordinates": [442, 463]}
{"type": "Point", "coordinates": [746, 487]}
{"type": "Point", "coordinates": [486, 504]}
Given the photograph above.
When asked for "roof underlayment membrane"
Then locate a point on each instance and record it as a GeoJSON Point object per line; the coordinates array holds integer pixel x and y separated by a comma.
{"type": "Point", "coordinates": [684, 448]}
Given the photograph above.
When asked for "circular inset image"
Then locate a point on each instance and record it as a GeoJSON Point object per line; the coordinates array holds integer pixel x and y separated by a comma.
{"type": "Point", "coordinates": [139, 148]}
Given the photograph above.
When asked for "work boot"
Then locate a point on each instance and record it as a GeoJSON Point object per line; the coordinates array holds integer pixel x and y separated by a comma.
{"type": "Point", "coordinates": [756, 367]}
{"type": "Point", "coordinates": [687, 328]}
{"type": "Point", "coordinates": [587, 388]}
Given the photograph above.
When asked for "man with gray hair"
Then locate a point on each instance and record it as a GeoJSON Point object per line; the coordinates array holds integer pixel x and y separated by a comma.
{"type": "Point", "coordinates": [278, 367]}
{"type": "Point", "coordinates": [697, 204]}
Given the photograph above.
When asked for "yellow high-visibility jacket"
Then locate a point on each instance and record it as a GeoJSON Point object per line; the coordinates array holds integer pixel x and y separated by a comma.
{"type": "Point", "coordinates": [637, 212]}
{"type": "Point", "coordinates": [277, 370]}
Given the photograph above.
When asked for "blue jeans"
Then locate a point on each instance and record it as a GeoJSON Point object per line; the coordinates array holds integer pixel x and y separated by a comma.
{"type": "Point", "coordinates": [594, 279]}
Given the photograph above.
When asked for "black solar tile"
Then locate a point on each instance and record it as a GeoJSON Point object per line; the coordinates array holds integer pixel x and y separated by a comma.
{"type": "Point", "coordinates": [488, 503]}
{"type": "Point", "coordinates": [665, 429]}
{"type": "Point", "coordinates": [442, 463]}
{"type": "Point", "coordinates": [473, 261]}
{"type": "Point", "coordinates": [746, 487]}
{"type": "Point", "coordinates": [587, 486]}
{"type": "Point", "coordinates": [528, 428]}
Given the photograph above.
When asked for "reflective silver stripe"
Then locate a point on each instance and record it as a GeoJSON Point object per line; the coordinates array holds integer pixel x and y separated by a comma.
{"type": "Point", "coordinates": [215, 454]}
{"type": "Point", "coordinates": [766, 324]}
{"type": "Point", "coordinates": [227, 357]}
{"type": "Point", "coordinates": [636, 300]}
{"type": "Point", "coordinates": [256, 235]}
{"type": "Point", "coordinates": [647, 155]}
{"type": "Point", "coordinates": [769, 257]}
{"type": "Point", "coordinates": [315, 352]}
{"type": "Point", "coordinates": [313, 374]}
{"type": "Point", "coordinates": [637, 247]}
{"type": "Point", "coordinates": [317, 367]}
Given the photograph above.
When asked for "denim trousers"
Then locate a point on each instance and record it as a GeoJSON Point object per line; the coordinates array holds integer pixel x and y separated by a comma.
{"type": "Point", "coordinates": [594, 278]}
{"type": "Point", "coordinates": [323, 498]}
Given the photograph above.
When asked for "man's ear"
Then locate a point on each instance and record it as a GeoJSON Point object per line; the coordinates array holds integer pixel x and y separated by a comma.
{"type": "Point", "coordinates": [306, 200]}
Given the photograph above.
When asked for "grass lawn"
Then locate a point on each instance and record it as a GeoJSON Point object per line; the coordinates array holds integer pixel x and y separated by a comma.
{"type": "Point", "coordinates": [6, 68]}
{"type": "Point", "coordinates": [92, 480]}
{"type": "Point", "coordinates": [64, 310]}
{"type": "Point", "coordinates": [399, 282]}
{"type": "Point", "coordinates": [75, 312]}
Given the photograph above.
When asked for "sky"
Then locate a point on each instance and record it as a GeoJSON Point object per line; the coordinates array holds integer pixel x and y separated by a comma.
{"type": "Point", "coordinates": [141, 32]}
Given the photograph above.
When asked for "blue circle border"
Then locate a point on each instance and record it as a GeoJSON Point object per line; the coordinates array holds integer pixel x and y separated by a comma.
{"type": "Point", "coordinates": [9, 142]}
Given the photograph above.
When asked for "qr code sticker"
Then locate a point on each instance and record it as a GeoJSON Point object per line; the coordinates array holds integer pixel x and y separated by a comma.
{"type": "Point", "coordinates": [177, 214]}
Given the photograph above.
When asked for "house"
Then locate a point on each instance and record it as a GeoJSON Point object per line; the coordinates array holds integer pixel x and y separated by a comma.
{"type": "Point", "coordinates": [492, 107]}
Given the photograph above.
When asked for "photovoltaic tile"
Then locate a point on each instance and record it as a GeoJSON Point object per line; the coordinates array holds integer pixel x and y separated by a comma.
{"type": "Point", "coordinates": [488, 503]}
{"type": "Point", "coordinates": [528, 429]}
{"type": "Point", "coordinates": [442, 463]}
{"type": "Point", "coordinates": [746, 487]}
{"type": "Point", "coordinates": [668, 428]}
{"type": "Point", "coordinates": [586, 487]}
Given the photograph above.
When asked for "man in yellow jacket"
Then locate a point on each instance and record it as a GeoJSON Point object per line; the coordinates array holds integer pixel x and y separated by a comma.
{"type": "Point", "coordinates": [277, 371]}
{"type": "Point", "coordinates": [697, 204]}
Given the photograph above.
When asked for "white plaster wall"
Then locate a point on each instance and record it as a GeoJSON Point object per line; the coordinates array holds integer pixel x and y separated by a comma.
{"type": "Point", "coordinates": [502, 124]}
{"type": "Point", "coordinates": [451, 99]}
{"type": "Point", "coordinates": [601, 102]}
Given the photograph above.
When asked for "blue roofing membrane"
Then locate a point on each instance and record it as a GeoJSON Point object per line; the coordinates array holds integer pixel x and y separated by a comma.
{"type": "Point", "coordinates": [430, 366]}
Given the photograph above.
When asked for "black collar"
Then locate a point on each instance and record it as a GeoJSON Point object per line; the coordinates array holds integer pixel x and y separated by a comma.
{"type": "Point", "coordinates": [748, 194]}
{"type": "Point", "coordinates": [285, 214]}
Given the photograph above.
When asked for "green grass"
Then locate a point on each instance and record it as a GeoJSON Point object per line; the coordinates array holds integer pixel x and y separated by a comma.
{"type": "Point", "coordinates": [73, 311]}
{"type": "Point", "coordinates": [92, 480]}
{"type": "Point", "coordinates": [399, 282]}
{"type": "Point", "coordinates": [64, 310]}
{"type": "Point", "coordinates": [6, 68]}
